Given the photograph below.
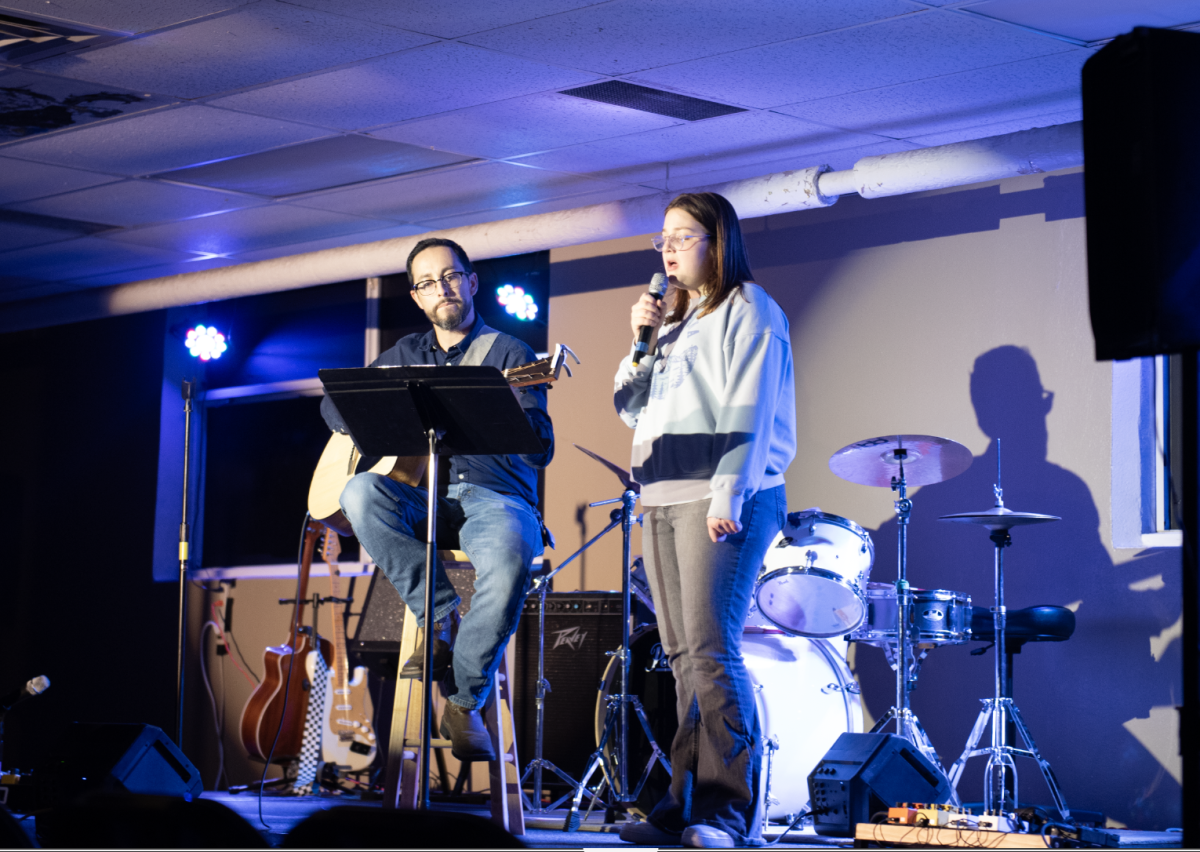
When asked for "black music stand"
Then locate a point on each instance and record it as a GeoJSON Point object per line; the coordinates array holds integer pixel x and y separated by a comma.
{"type": "Point", "coordinates": [411, 411]}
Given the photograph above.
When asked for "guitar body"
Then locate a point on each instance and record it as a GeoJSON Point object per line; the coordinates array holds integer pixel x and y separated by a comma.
{"type": "Point", "coordinates": [348, 736]}
{"type": "Point", "coordinates": [339, 463]}
{"type": "Point", "coordinates": [265, 708]}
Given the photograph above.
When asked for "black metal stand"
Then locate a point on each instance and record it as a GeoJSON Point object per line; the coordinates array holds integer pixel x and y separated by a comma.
{"type": "Point", "coordinates": [408, 411]}
{"type": "Point", "coordinates": [186, 389]}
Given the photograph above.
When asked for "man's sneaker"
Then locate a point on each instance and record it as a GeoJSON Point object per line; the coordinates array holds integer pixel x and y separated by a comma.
{"type": "Point", "coordinates": [648, 834]}
{"type": "Point", "coordinates": [707, 837]}
{"type": "Point", "coordinates": [444, 634]}
{"type": "Point", "coordinates": [469, 739]}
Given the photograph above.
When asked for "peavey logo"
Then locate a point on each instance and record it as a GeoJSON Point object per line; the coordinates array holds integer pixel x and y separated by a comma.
{"type": "Point", "coordinates": [572, 637]}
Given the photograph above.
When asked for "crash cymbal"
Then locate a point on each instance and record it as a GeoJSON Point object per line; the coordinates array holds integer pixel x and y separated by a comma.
{"type": "Point", "coordinates": [622, 473]}
{"type": "Point", "coordinates": [876, 460]}
{"type": "Point", "coordinates": [999, 518]}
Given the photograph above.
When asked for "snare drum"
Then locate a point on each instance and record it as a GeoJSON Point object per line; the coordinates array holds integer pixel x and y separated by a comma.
{"type": "Point", "coordinates": [941, 617]}
{"type": "Point", "coordinates": [814, 575]}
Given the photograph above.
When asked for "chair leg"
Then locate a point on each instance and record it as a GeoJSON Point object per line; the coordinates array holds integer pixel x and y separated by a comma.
{"type": "Point", "coordinates": [504, 772]}
{"type": "Point", "coordinates": [403, 767]}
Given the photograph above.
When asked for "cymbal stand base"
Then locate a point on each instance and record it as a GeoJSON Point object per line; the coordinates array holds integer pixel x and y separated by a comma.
{"type": "Point", "coordinates": [996, 796]}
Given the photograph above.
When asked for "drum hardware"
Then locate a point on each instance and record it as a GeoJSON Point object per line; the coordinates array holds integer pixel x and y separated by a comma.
{"type": "Point", "coordinates": [613, 764]}
{"type": "Point", "coordinates": [998, 710]}
{"type": "Point", "coordinates": [897, 462]}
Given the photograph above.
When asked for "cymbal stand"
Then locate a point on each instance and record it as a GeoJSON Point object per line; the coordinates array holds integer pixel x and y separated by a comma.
{"type": "Point", "coordinates": [905, 660]}
{"type": "Point", "coordinates": [541, 584]}
{"type": "Point", "coordinates": [616, 720]}
{"type": "Point", "coordinates": [997, 780]}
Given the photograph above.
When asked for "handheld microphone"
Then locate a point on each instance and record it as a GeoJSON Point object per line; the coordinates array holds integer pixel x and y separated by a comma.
{"type": "Point", "coordinates": [658, 288]}
{"type": "Point", "coordinates": [36, 686]}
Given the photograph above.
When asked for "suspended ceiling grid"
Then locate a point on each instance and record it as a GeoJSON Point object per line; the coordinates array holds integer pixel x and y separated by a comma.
{"type": "Point", "coordinates": [203, 133]}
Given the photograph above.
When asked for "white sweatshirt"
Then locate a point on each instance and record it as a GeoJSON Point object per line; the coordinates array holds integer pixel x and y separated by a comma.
{"type": "Point", "coordinates": [714, 408]}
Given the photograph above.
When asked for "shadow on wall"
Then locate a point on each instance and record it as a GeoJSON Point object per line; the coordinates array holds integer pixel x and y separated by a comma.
{"type": "Point", "coordinates": [1077, 695]}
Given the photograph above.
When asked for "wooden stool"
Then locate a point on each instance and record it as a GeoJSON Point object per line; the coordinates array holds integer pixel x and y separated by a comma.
{"type": "Point", "coordinates": [403, 757]}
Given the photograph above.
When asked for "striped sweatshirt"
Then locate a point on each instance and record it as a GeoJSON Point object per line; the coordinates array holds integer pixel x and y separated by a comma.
{"type": "Point", "coordinates": [714, 408]}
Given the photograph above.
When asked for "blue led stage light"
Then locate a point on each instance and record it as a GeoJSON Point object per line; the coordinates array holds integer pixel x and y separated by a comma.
{"type": "Point", "coordinates": [517, 302]}
{"type": "Point", "coordinates": [205, 342]}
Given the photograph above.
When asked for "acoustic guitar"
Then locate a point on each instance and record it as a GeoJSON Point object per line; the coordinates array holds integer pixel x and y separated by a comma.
{"type": "Point", "coordinates": [347, 732]}
{"type": "Point", "coordinates": [266, 710]}
{"type": "Point", "coordinates": [341, 460]}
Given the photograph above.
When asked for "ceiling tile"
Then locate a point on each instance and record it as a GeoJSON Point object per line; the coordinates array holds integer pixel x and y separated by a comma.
{"type": "Point", "coordinates": [21, 180]}
{"type": "Point", "coordinates": [18, 230]}
{"type": "Point", "coordinates": [258, 43]}
{"type": "Point", "coordinates": [632, 35]}
{"type": "Point", "coordinates": [523, 126]}
{"type": "Point", "coordinates": [416, 83]}
{"type": "Point", "coordinates": [66, 260]}
{"type": "Point", "coordinates": [697, 146]}
{"type": "Point", "coordinates": [136, 202]}
{"type": "Point", "coordinates": [999, 128]}
{"type": "Point", "coordinates": [486, 186]}
{"type": "Point", "coordinates": [130, 16]}
{"type": "Point", "coordinates": [1002, 93]}
{"type": "Point", "coordinates": [333, 242]}
{"type": "Point", "coordinates": [162, 140]}
{"type": "Point", "coordinates": [247, 230]}
{"type": "Point", "coordinates": [554, 205]}
{"type": "Point", "coordinates": [1090, 20]}
{"type": "Point", "coordinates": [31, 103]}
{"type": "Point", "coordinates": [929, 44]}
{"type": "Point", "coordinates": [837, 160]}
{"type": "Point", "coordinates": [446, 18]}
{"type": "Point", "coordinates": [313, 165]}
{"type": "Point", "coordinates": [144, 273]}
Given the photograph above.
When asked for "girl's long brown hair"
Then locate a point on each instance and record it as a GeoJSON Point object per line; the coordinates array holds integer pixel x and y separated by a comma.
{"type": "Point", "coordinates": [731, 266]}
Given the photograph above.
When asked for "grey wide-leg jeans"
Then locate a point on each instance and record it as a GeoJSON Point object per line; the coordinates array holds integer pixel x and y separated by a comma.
{"type": "Point", "coordinates": [702, 595]}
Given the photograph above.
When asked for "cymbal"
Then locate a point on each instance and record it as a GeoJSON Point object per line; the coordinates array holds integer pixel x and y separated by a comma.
{"type": "Point", "coordinates": [622, 473]}
{"type": "Point", "coordinates": [999, 518]}
{"type": "Point", "coordinates": [876, 460]}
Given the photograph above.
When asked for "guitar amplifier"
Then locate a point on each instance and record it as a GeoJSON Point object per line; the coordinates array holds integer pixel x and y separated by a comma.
{"type": "Point", "coordinates": [581, 627]}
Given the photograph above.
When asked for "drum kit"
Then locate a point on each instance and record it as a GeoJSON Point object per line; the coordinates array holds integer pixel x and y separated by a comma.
{"type": "Point", "coordinates": [815, 587]}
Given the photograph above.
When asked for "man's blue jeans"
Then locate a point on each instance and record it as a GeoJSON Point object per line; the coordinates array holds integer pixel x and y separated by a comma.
{"type": "Point", "coordinates": [500, 534]}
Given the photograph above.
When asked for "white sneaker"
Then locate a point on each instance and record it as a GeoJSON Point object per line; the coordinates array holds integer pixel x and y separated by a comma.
{"type": "Point", "coordinates": [707, 837]}
{"type": "Point", "coordinates": [647, 834]}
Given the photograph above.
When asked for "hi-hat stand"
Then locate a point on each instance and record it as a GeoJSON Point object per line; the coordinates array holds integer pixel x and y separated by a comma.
{"type": "Point", "coordinates": [1000, 778]}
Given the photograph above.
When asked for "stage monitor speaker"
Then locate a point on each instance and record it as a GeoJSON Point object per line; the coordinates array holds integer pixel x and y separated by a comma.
{"type": "Point", "coordinates": [121, 758]}
{"type": "Point", "coordinates": [1141, 133]}
{"type": "Point", "coordinates": [581, 629]}
{"type": "Point", "coordinates": [864, 774]}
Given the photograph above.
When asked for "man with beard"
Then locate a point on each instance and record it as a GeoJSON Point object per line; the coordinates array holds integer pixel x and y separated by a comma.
{"type": "Point", "coordinates": [490, 503]}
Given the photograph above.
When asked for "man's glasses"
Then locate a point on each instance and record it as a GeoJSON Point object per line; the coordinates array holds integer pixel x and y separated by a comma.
{"type": "Point", "coordinates": [451, 279]}
{"type": "Point", "coordinates": [683, 242]}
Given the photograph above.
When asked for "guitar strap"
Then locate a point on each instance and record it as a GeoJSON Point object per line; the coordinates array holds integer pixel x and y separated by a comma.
{"type": "Point", "coordinates": [480, 346]}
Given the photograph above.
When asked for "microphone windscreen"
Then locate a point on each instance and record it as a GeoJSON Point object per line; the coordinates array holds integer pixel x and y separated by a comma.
{"type": "Point", "coordinates": [658, 285]}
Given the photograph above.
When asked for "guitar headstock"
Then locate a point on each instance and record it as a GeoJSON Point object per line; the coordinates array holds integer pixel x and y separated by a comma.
{"type": "Point", "coordinates": [331, 549]}
{"type": "Point", "coordinates": [544, 371]}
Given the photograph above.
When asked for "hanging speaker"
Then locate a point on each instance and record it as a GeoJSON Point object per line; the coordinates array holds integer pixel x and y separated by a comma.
{"type": "Point", "coordinates": [864, 774]}
{"type": "Point", "coordinates": [1141, 129]}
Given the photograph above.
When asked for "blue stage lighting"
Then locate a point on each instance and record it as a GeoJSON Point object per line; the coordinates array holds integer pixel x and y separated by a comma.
{"type": "Point", "coordinates": [205, 342]}
{"type": "Point", "coordinates": [517, 302]}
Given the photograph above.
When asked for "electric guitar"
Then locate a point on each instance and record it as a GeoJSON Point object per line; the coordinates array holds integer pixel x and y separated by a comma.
{"type": "Point", "coordinates": [347, 732]}
{"type": "Point", "coordinates": [341, 460]}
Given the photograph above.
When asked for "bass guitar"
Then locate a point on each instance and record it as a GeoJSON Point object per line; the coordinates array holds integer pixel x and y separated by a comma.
{"type": "Point", "coordinates": [279, 703]}
{"type": "Point", "coordinates": [341, 460]}
{"type": "Point", "coordinates": [347, 732]}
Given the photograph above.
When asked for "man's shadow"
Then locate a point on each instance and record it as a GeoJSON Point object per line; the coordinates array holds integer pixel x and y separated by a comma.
{"type": "Point", "coordinates": [1074, 695]}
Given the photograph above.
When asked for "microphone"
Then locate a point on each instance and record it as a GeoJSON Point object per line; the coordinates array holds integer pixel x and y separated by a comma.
{"type": "Point", "coordinates": [658, 288]}
{"type": "Point", "coordinates": [36, 686]}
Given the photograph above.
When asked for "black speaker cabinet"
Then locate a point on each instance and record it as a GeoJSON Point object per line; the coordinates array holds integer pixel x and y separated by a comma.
{"type": "Point", "coordinates": [1141, 129]}
{"type": "Point", "coordinates": [580, 628]}
{"type": "Point", "coordinates": [121, 758]}
{"type": "Point", "coordinates": [866, 773]}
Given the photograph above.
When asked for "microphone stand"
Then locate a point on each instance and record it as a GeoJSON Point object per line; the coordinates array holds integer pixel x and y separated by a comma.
{"type": "Point", "coordinates": [187, 390]}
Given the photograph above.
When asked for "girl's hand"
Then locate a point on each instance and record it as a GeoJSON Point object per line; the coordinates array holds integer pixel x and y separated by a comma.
{"type": "Point", "coordinates": [718, 528]}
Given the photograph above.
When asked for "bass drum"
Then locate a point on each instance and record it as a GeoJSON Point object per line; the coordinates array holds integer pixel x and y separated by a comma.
{"type": "Point", "coordinates": [805, 695]}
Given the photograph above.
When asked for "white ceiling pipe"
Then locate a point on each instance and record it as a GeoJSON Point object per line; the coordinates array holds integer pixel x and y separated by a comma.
{"type": "Point", "coordinates": [1025, 152]}
{"type": "Point", "coordinates": [1043, 149]}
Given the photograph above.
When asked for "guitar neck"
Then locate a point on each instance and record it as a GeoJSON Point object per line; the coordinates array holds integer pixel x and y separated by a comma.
{"type": "Point", "coordinates": [341, 665]}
